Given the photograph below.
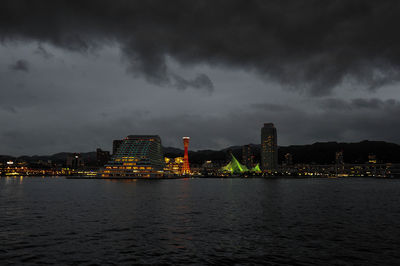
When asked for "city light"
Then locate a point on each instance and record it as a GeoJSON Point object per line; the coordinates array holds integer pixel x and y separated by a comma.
{"type": "Point", "coordinates": [142, 156]}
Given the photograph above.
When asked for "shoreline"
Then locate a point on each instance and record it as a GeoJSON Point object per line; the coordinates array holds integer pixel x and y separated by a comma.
{"type": "Point", "coordinates": [198, 177]}
{"type": "Point", "coordinates": [225, 177]}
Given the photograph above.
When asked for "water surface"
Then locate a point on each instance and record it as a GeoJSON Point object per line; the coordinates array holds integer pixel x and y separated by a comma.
{"type": "Point", "coordinates": [200, 221]}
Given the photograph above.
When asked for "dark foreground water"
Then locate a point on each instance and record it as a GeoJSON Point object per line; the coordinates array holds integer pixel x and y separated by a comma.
{"type": "Point", "coordinates": [200, 221]}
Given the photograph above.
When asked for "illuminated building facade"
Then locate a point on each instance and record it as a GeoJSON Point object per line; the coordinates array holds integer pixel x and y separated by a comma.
{"type": "Point", "coordinates": [173, 166]}
{"type": "Point", "coordinates": [210, 168]}
{"type": "Point", "coordinates": [234, 167]}
{"type": "Point", "coordinates": [186, 167]}
{"type": "Point", "coordinates": [269, 147]}
{"type": "Point", "coordinates": [137, 156]}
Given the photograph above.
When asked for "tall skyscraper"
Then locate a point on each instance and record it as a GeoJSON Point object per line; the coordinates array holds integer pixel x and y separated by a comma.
{"type": "Point", "coordinates": [138, 155]}
{"type": "Point", "coordinates": [269, 147]}
{"type": "Point", "coordinates": [186, 167]}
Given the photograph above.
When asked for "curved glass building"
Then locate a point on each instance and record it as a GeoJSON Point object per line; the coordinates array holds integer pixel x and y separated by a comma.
{"type": "Point", "coordinates": [137, 156]}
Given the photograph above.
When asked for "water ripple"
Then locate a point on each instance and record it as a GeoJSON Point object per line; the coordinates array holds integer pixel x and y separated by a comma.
{"type": "Point", "coordinates": [200, 221]}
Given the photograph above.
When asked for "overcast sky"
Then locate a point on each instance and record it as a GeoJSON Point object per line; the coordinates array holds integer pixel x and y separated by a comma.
{"type": "Point", "coordinates": [74, 75]}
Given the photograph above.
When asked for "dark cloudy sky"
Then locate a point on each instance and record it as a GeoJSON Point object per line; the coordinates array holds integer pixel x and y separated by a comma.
{"type": "Point", "coordinates": [74, 75]}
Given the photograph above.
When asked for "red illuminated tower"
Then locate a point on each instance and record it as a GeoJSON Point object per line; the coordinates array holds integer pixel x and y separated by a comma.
{"type": "Point", "coordinates": [186, 168]}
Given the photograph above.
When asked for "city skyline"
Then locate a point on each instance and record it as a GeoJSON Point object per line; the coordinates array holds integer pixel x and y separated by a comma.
{"type": "Point", "coordinates": [91, 78]}
{"type": "Point", "coordinates": [205, 132]}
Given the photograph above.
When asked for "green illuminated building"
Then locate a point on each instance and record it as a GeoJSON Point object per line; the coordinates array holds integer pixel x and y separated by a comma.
{"type": "Point", "coordinates": [234, 167]}
{"type": "Point", "coordinates": [137, 156]}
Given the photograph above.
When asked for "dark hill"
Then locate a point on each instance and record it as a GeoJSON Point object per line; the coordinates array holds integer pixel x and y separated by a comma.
{"type": "Point", "coordinates": [318, 153]}
{"type": "Point", "coordinates": [324, 152]}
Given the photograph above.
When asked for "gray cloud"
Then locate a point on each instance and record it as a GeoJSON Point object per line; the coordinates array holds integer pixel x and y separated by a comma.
{"type": "Point", "coordinates": [20, 65]}
{"type": "Point", "coordinates": [152, 64]}
{"type": "Point", "coordinates": [335, 104]}
{"type": "Point", "coordinates": [228, 60]}
{"type": "Point", "coordinates": [202, 81]}
{"type": "Point", "coordinates": [305, 45]}
{"type": "Point", "coordinates": [272, 107]}
{"type": "Point", "coordinates": [359, 104]}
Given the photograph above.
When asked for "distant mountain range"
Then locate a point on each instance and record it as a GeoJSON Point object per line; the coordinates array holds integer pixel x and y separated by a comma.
{"type": "Point", "coordinates": [318, 153]}
{"type": "Point", "coordinates": [58, 158]}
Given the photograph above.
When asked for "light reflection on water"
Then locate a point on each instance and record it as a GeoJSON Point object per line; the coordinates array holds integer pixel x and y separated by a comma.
{"type": "Point", "coordinates": [201, 221]}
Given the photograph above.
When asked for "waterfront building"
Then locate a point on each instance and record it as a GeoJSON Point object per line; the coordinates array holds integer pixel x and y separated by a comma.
{"type": "Point", "coordinates": [186, 167]}
{"type": "Point", "coordinates": [247, 156]}
{"type": "Point", "coordinates": [269, 147]}
{"type": "Point", "coordinates": [173, 166]}
{"type": "Point", "coordinates": [137, 156]}
{"type": "Point", "coordinates": [372, 158]}
{"type": "Point", "coordinates": [75, 161]}
{"type": "Point", "coordinates": [235, 167]}
{"type": "Point", "coordinates": [210, 168]}
{"type": "Point", "coordinates": [116, 144]}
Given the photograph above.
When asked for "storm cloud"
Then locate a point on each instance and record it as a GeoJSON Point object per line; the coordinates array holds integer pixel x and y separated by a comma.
{"type": "Point", "coordinates": [311, 46]}
{"type": "Point", "coordinates": [74, 75]}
